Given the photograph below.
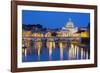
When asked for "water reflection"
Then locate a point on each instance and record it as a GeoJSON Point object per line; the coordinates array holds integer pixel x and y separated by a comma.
{"type": "Point", "coordinates": [53, 50]}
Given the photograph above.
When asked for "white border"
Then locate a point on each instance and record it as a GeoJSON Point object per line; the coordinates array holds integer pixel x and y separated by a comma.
{"type": "Point", "coordinates": [52, 63]}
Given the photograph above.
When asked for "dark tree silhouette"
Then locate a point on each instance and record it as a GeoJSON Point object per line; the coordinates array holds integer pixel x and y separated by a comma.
{"type": "Point", "coordinates": [88, 27]}
{"type": "Point", "coordinates": [39, 26]}
{"type": "Point", "coordinates": [54, 34]}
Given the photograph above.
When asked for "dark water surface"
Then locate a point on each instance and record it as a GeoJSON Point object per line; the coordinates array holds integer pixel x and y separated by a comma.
{"type": "Point", "coordinates": [54, 51]}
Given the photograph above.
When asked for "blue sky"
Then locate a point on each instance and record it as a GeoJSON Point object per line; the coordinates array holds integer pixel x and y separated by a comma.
{"type": "Point", "coordinates": [50, 19]}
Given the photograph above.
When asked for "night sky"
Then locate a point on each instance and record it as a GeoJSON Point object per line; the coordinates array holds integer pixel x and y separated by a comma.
{"type": "Point", "coordinates": [50, 19]}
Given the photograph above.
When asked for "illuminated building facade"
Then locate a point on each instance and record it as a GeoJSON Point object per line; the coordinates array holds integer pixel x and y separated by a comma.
{"type": "Point", "coordinates": [69, 27]}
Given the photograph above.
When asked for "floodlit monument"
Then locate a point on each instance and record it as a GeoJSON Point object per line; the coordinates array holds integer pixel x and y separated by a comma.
{"type": "Point", "coordinates": [69, 27]}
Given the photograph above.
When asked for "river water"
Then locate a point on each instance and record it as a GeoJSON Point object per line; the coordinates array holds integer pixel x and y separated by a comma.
{"type": "Point", "coordinates": [55, 51]}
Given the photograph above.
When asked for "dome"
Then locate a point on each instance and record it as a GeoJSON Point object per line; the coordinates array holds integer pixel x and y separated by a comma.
{"type": "Point", "coordinates": [69, 24]}
{"type": "Point", "coordinates": [69, 27]}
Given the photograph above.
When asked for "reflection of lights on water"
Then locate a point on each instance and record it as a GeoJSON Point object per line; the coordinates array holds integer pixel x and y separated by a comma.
{"type": "Point", "coordinates": [25, 52]}
{"type": "Point", "coordinates": [53, 44]}
{"type": "Point", "coordinates": [86, 55]}
{"type": "Point", "coordinates": [77, 52]}
{"type": "Point", "coordinates": [82, 53]}
{"type": "Point", "coordinates": [39, 45]}
{"type": "Point", "coordinates": [74, 51]}
{"type": "Point", "coordinates": [61, 50]}
{"type": "Point", "coordinates": [50, 46]}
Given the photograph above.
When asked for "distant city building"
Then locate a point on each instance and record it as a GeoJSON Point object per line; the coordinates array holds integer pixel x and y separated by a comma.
{"type": "Point", "coordinates": [69, 27]}
{"type": "Point", "coordinates": [69, 30]}
{"type": "Point", "coordinates": [36, 32]}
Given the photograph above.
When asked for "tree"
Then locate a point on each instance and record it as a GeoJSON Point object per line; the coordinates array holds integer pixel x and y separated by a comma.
{"type": "Point", "coordinates": [39, 26]}
{"type": "Point", "coordinates": [54, 34]}
{"type": "Point", "coordinates": [88, 27]}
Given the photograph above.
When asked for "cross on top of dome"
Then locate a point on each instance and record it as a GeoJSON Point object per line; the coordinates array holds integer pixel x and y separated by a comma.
{"type": "Point", "coordinates": [70, 19]}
